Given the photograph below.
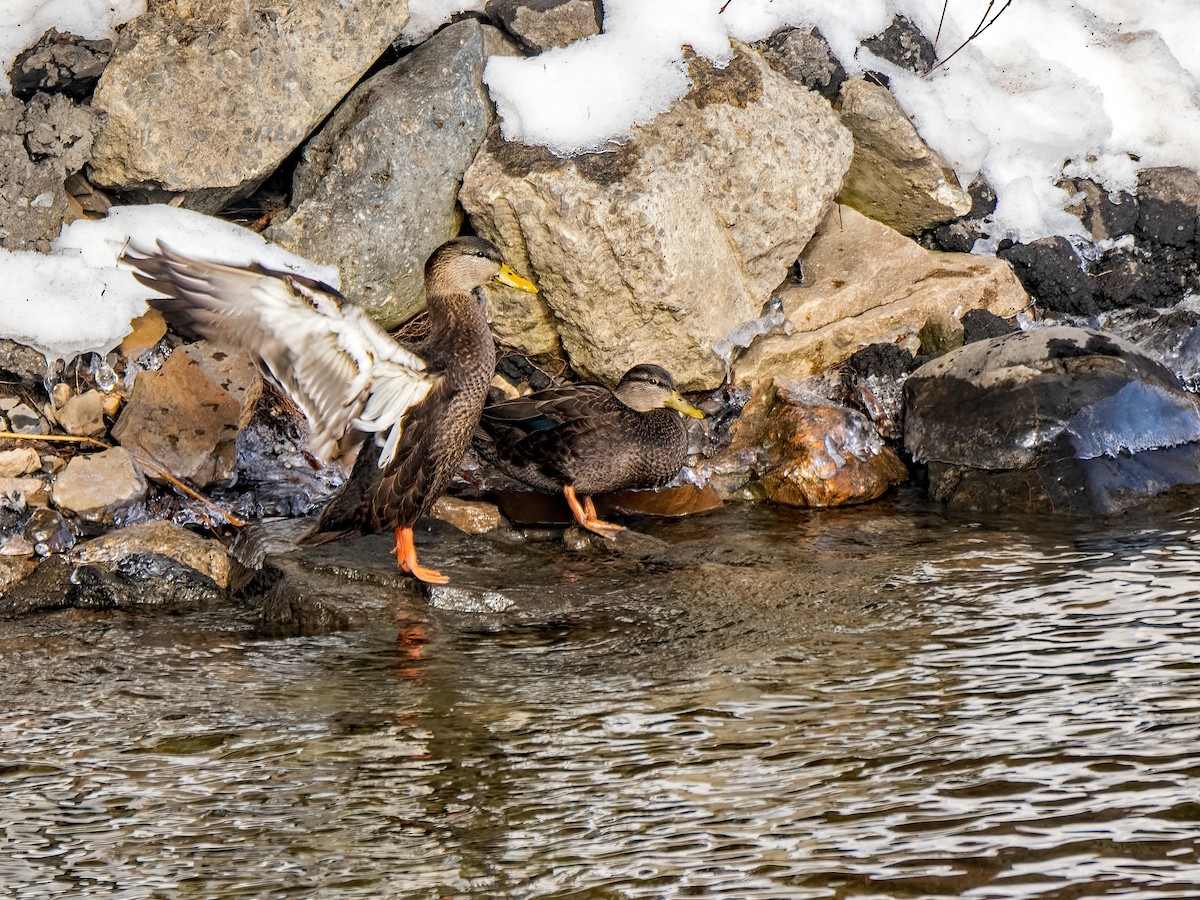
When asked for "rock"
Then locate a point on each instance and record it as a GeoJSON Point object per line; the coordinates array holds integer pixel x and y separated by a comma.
{"type": "Point", "coordinates": [1168, 206]}
{"type": "Point", "coordinates": [19, 461]}
{"type": "Point", "coordinates": [100, 487]}
{"type": "Point", "coordinates": [84, 415]}
{"type": "Point", "coordinates": [60, 63]}
{"type": "Point", "coordinates": [903, 44]}
{"type": "Point", "coordinates": [895, 177]}
{"type": "Point", "coordinates": [712, 199]}
{"type": "Point", "coordinates": [468, 516]}
{"type": "Point", "coordinates": [1052, 273]}
{"type": "Point", "coordinates": [669, 502]}
{"type": "Point", "coordinates": [32, 199]}
{"type": "Point", "coordinates": [55, 128]}
{"type": "Point", "coordinates": [48, 532]}
{"type": "Point", "coordinates": [146, 331]}
{"type": "Point", "coordinates": [22, 492]}
{"type": "Point", "coordinates": [865, 283]}
{"type": "Point", "coordinates": [806, 58]}
{"type": "Point", "coordinates": [539, 25]}
{"type": "Point", "coordinates": [375, 192]}
{"type": "Point", "coordinates": [979, 325]}
{"type": "Point", "coordinates": [940, 334]}
{"type": "Point", "coordinates": [1060, 419]}
{"type": "Point", "coordinates": [25, 363]}
{"type": "Point", "coordinates": [234, 371]}
{"type": "Point", "coordinates": [165, 539]}
{"type": "Point", "coordinates": [812, 455]}
{"type": "Point", "coordinates": [183, 421]}
{"type": "Point", "coordinates": [1106, 215]}
{"type": "Point", "coordinates": [24, 420]}
{"type": "Point", "coordinates": [12, 571]}
{"type": "Point", "coordinates": [207, 99]}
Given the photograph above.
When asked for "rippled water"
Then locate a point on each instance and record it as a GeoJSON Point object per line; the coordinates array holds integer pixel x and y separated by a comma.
{"type": "Point", "coordinates": [995, 710]}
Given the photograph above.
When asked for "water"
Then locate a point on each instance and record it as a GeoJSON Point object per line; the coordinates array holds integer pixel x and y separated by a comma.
{"type": "Point", "coordinates": [998, 710]}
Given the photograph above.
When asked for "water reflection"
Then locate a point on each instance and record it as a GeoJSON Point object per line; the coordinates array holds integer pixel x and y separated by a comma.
{"type": "Point", "coordinates": [991, 711]}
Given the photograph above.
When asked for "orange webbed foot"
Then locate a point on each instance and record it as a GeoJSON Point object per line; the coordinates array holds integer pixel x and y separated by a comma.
{"type": "Point", "coordinates": [406, 555]}
{"type": "Point", "coordinates": [585, 515]}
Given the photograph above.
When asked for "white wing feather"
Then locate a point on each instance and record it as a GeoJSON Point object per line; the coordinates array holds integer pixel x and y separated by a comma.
{"type": "Point", "coordinates": [345, 372]}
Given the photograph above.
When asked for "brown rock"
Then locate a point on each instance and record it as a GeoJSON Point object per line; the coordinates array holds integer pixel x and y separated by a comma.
{"type": "Point", "coordinates": [99, 487]}
{"type": "Point", "coordinates": [25, 491]}
{"type": "Point", "coordinates": [233, 370]}
{"type": "Point", "coordinates": [13, 570]}
{"type": "Point", "coordinates": [148, 330]}
{"type": "Point", "coordinates": [468, 516]}
{"type": "Point", "coordinates": [182, 421]}
{"type": "Point", "coordinates": [895, 177]}
{"type": "Point", "coordinates": [865, 283]}
{"type": "Point", "coordinates": [541, 25]}
{"type": "Point", "coordinates": [672, 502]}
{"type": "Point", "coordinates": [19, 461]}
{"type": "Point", "coordinates": [163, 538]}
{"type": "Point", "coordinates": [812, 455]}
{"type": "Point", "coordinates": [83, 415]}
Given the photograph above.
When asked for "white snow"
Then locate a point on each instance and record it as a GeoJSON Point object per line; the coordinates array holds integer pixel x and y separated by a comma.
{"type": "Point", "coordinates": [1093, 84]}
{"type": "Point", "coordinates": [22, 22]}
{"type": "Point", "coordinates": [78, 299]}
{"type": "Point", "coordinates": [426, 16]}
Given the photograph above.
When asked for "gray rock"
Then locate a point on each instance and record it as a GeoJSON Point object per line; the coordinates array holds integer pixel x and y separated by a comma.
{"type": "Point", "coordinates": [25, 420]}
{"type": "Point", "coordinates": [1056, 419]}
{"type": "Point", "coordinates": [806, 58]}
{"type": "Point", "coordinates": [24, 362]}
{"type": "Point", "coordinates": [540, 25]}
{"type": "Point", "coordinates": [895, 177]}
{"type": "Point", "coordinates": [1168, 206]}
{"type": "Point", "coordinates": [56, 128]}
{"type": "Point", "coordinates": [208, 99]}
{"type": "Point", "coordinates": [903, 44]}
{"type": "Point", "coordinates": [100, 487]}
{"type": "Point", "coordinates": [660, 248]}
{"type": "Point", "coordinates": [48, 532]}
{"type": "Point", "coordinates": [376, 191]}
{"type": "Point", "coordinates": [60, 63]}
{"type": "Point", "coordinates": [32, 199]}
{"type": "Point", "coordinates": [164, 539]}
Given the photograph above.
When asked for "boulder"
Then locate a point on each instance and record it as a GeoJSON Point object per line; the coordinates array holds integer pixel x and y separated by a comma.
{"type": "Point", "coordinates": [1060, 419]}
{"type": "Point", "coordinates": [234, 371]}
{"type": "Point", "coordinates": [895, 177]}
{"type": "Point", "coordinates": [661, 247]}
{"type": "Point", "coordinates": [804, 452]}
{"type": "Point", "coordinates": [208, 98]}
{"type": "Point", "coordinates": [165, 539]}
{"type": "Point", "coordinates": [182, 421]}
{"type": "Point", "coordinates": [100, 487]}
{"type": "Point", "coordinates": [539, 25]}
{"type": "Point", "coordinates": [865, 283]}
{"type": "Point", "coordinates": [375, 192]}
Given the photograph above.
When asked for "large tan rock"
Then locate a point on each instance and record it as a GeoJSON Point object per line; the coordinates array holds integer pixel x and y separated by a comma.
{"type": "Point", "coordinates": [163, 538]}
{"type": "Point", "coordinates": [865, 283]}
{"type": "Point", "coordinates": [101, 486]}
{"type": "Point", "coordinates": [656, 250]}
{"type": "Point", "coordinates": [895, 177]}
{"type": "Point", "coordinates": [207, 97]}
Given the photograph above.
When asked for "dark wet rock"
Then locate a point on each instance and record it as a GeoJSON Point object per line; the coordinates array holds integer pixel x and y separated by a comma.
{"type": "Point", "coordinates": [807, 453]}
{"type": "Point", "coordinates": [1168, 206]}
{"type": "Point", "coordinates": [12, 571]}
{"type": "Point", "coordinates": [100, 487]}
{"type": "Point", "coordinates": [881, 360]}
{"type": "Point", "coordinates": [1135, 276]}
{"type": "Point", "coordinates": [539, 25]}
{"type": "Point", "coordinates": [83, 414]}
{"type": "Point", "coordinates": [160, 539]}
{"type": "Point", "coordinates": [60, 63]}
{"type": "Point", "coordinates": [19, 461]}
{"type": "Point", "coordinates": [941, 333]}
{"type": "Point", "coordinates": [183, 421]}
{"type": "Point", "coordinates": [48, 532]}
{"type": "Point", "coordinates": [375, 192]}
{"type": "Point", "coordinates": [903, 44]}
{"type": "Point", "coordinates": [1052, 273]}
{"type": "Point", "coordinates": [1107, 215]}
{"type": "Point", "coordinates": [979, 325]}
{"type": "Point", "coordinates": [895, 177]}
{"type": "Point", "coordinates": [1171, 336]}
{"type": "Point", "coordinates": [1057, 419]}
{"type": "Point", "coordinates": [806, 58]}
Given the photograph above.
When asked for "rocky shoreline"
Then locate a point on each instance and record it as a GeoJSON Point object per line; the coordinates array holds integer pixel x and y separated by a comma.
{"type": "Point", "coordinates": [781, 238]}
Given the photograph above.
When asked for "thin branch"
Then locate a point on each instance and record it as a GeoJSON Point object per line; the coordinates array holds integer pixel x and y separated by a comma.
{"type": "Point", "coordinates": [144, 463]}
{"type": "Point", "coordinates": [941, 21]}
{"type": "Point", "coordinates": [984, 25]}
{"type": "Point", "coordinates": [723, 5]}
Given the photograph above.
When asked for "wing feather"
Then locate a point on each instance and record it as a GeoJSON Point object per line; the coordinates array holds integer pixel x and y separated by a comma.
{"type": "Point", "coordinates": [346, 373]}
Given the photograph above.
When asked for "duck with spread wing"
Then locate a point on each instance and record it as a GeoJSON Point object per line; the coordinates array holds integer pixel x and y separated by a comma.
{"type": "Point", "coordinates": [414, 407]}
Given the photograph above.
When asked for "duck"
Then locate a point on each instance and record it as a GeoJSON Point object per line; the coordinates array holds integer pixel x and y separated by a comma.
{"type": "Point", "coordinates": [586, 439]}
{"type": "Point", "coordinates": [409, 409]}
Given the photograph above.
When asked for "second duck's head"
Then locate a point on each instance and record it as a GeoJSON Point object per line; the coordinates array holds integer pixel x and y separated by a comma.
{"type": "Point", "coordinates": [646, 387]}
{"type": "Point", "coordinates": [463, 264]}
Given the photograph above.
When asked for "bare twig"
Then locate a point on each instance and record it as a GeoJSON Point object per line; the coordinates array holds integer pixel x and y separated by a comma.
{"type": "Point", "coordinates": [723, 5]}
{"type": "Point", "coordinates": [145, 463]}
{"type": "Point", "coordinates": [941, 21]}
{"type": "Point", "coordinates": [984, 24]}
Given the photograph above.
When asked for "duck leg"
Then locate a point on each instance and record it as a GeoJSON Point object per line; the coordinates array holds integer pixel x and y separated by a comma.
{"type": "Point", "coordinates": [585, 515]}
{"type": "Point", "coordinates": [406, 555]}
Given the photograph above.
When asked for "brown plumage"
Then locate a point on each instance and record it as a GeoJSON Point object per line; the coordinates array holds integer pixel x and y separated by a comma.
{"type": "Point", "coordinates": [585, 439]}
{"type": "Point", "coordinates": [420, 404]}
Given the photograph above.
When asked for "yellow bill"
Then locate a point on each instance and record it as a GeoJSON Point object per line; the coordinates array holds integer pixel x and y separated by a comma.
{"type": "Point", "coordinates": [507, 276]}
{"type": "Point", "coordinates": [676, 402]}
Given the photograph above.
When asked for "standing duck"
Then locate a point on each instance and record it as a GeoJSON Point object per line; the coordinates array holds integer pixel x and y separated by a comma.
{"type": "Point", "coordinates": [418, 403]}
{"type": "Point", "coordinates": [585, 439]}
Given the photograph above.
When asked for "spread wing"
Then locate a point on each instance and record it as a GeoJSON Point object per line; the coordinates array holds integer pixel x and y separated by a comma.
{"type": "Point", "coordinates": [345, 372]}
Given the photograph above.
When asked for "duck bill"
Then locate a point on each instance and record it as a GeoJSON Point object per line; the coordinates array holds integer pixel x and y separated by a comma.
{"type": "Point", "coordinates": [507, 276]}
{"type": "Point", "coordinates": [676, 402]}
